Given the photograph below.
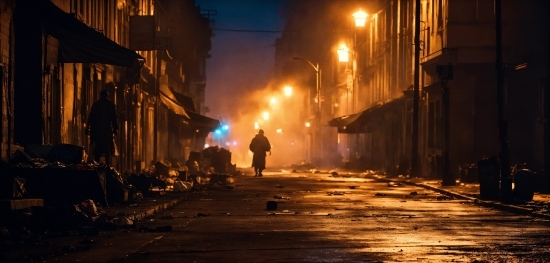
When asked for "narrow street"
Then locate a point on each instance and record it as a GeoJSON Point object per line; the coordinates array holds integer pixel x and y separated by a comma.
{"type": "Point", "coordinates": [320, 218]}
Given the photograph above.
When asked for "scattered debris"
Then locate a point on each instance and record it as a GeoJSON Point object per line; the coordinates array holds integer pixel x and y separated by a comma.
{"type": "Point", "coordinates": [170, 216]}
{"type": "Point", "coordinates": [167, 228]}
{"type": "Point", "coordinates": [202, 215]}
{"type": "Point", "coordinates": [394, 184]}
{"type": "Point", "coordinates": [271, 205]}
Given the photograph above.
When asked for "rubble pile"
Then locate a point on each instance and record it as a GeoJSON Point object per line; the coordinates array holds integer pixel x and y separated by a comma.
{"type": "Point", "coordinates": [50, 191]}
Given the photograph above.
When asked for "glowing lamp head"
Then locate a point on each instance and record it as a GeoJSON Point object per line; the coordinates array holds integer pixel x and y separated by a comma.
{"type": "Point", "coordinates": [360, 18]}
{"type": "Point", "coordinates": [343, 53]}
{"type": "Point", "coordinates": [288, 91]}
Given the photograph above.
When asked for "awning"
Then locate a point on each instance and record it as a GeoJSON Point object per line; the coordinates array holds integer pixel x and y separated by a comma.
{"type": "Point", "coordinates": [203, 121]}
{"type": "Point", "coordinates": [345, 120]}
{"type": "Point", "coordinates": [357, 122]}
{"type": "Point", "coordinates": [185, 101]}
{"type": "Point", "coordinates": [79, 43]}
{"type": "Point", "coordinates": [353, 123]}
{"type": "Point", "coordinates": [197, 119]}
{"type": "Point", "coordinates": [169, 100]}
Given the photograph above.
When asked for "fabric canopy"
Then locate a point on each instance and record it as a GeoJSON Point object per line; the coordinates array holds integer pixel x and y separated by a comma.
{"type": "Point", "coordinates": [79, 43]}
{"type": "Point", "coordinates": [169, 100]}
{"type": "Point", "coordinates": [357, 122]}
{"type": "Point", "coordinates": [185, 101]}
{"type": "Point", "coordinates": [350, 123]}
{"type": "Point", "coordinates": [203, 121]}
{"type": "Point", "coordinates": [197, 119]}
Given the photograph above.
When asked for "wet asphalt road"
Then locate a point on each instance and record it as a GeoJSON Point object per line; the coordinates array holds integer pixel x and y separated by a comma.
{"type": "Point", "coordinates": [325, 219]}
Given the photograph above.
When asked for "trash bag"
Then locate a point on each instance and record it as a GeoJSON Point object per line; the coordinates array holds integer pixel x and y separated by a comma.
{"type": "Point", "coordinates": [141, 182]}
{"type": "Point", "coordinates": [20, 157]}
{"type": "Point", "coordinates": [89, 208]}
{"type": "Point", "coordinates": [162, 168]}
{"type": "Point", "coordinates": [38, 150]}
{"type": "Point", "coordinates": [12, 187]}
{"type": "Point", "coordinates": [179, 186]}
{"type": "Point", "coordinates": [115, 189]}
{"type": "Point", "coordinates": [123, 221]}
{"type": "Point", "coordinates": [67, 154]}
{"type": "Point", "coordinates": [114, 178]}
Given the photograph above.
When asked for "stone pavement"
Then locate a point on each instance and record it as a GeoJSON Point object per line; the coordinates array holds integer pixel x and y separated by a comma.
{"type": "Point", "coordinates": [538, 207]}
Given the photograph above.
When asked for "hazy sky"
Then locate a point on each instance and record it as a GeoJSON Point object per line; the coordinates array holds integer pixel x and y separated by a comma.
{"type": "Point", "coordinates": [239, 72]}
{"type": "Point", "coordinates": [241, 62]}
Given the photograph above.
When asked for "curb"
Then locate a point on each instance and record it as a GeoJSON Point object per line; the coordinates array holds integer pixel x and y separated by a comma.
{"type": "Point", "coordinates": [145, 212]}
{"type": "Point", "coordinates": [476, 201]}
{"type": "Point", "coordinates": [158, 208]}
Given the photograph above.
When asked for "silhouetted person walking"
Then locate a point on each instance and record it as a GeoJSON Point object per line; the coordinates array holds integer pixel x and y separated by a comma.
{"type": "Point", "coordinates": [102, 127]}
{"type": "Point", "coordinates": [259, 146]}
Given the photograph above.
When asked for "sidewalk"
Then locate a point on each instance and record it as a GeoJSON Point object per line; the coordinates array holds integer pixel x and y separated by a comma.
{"type": "Point", "coordinates": [538, 207]}
{"type": "Point", "coordinates": [148, 206]}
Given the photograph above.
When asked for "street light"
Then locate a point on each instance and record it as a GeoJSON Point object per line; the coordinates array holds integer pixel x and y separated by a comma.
{"type": "Point", "coordinates": [288, 91]}
{"type": "Point", "coordinates": [318, 87]}
{"type": "Point", "coordinates": [360, 18]}
{"type": "Point", "coordinates": [343, 53]}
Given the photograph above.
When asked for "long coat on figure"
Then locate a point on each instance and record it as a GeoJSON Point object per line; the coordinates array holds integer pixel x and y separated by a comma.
{"type": "Point", "coordinates": [102, 126]}
{"type": "Point", "coordinates": [259, 146]}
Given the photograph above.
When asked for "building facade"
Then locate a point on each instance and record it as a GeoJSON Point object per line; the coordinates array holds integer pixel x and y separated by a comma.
{"type": "Point", "coordinates": [57, 55]}
{"type": "Point", "coordinates": [368, 98]}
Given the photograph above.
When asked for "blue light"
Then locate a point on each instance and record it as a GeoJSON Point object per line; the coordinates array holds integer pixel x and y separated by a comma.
{"type": "Point", "coordinates": [218, 132]}
{"type": "Point", "coordinates": [225, 127]}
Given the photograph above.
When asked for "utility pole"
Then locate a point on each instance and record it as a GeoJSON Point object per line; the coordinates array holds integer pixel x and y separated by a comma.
{"type": "Point", "coordinates": [415, 166]}
{"type": "Point", "coordinates": [546, 115]}
{"type": "Point", "coordinates": [504, 155]}
{"type": "Point", "coordinates": [446, 73]}
{"type": "Point", "coordinates": [318, 144]}
{"type": "Point", "coordinates": [156, 114]}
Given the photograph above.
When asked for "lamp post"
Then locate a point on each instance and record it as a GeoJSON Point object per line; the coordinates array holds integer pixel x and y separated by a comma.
{"type": "Point", "coordinates": [360, 18]}
{"type": "Point", "coordinates": [504, 154]}
{"type": "Point", "coordinates": [318, 90]}
{"type": "Point", "coordinates": [415, 160]}
{"type": "Point", "coordinates": [343, 56]}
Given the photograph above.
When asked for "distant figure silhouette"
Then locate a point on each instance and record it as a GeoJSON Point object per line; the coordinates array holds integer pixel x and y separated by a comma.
{"type": "Point", "coordinates": [102, 127]}
{"type": "Point", "coordinates": [259, 146]}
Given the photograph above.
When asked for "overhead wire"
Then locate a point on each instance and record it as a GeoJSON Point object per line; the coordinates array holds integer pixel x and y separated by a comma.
{"type": "Point", "coordinates": [250, 31]}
